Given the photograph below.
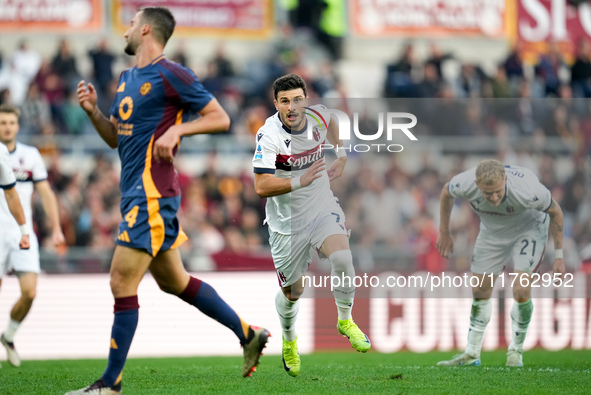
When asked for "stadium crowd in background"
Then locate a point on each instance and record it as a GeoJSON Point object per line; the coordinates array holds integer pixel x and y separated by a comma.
{"type": "Point", "coordinates": [221, 211]}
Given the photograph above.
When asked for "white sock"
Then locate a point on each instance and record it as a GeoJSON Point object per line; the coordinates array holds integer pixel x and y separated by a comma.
{"type": "Point", "coordinates": [479, 318]}
{"type": "Point", "coordinates": [344, 307]}
{"type": "Point", "coordinates": [342, 267]}
{"type": "Point", "coordinates": [11, 330]}
{"type": "Point", "coordinates": [287, 310]}
{"type": "Point", "coordinates": [520, 317]}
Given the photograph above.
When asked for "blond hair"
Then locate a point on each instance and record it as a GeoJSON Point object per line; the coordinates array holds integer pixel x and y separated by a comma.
{"type": "Point", "coordinates": [489, 171]}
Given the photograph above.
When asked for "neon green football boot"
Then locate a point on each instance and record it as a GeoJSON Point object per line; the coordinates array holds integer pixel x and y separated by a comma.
{"type": "Point", "coordinates": [291, 357]}
{"type": "Point", "coordinates": [358, 339]}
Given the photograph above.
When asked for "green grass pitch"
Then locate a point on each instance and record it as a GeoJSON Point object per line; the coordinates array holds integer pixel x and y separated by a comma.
{"type": "Point", "coordinates": [334, 373]}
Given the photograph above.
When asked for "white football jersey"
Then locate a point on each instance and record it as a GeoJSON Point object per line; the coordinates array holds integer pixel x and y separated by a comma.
{"type": "Point", "coordinates": [523, 207]}
{"type": "Point", "coordinates": [7, 179]}
{"type": "Point", "coordinates": [29, 168]}
{"type": "Point", "coordinates": [288, 154]}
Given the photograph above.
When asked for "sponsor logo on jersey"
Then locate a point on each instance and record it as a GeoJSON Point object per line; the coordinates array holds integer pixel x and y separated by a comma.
{"type": "Point", "coordinates": [23, 175]}
{"type": "Point", "coordinates": [510, 209]}
{"type": "Point", "coordinates": [301, 160]}
{"type": "Point", "coordinates": [125, 108]}
{"type": "Point", "coordinates": [121, 87]}
{"type": "Point", "coordinates": [259, 136]}
{"type": "Point", "coordinates": [287, 142]}
{"type": "Point", "coordinates": [146, 88]}
{"type": "Point", "coordinates": [493, 213]}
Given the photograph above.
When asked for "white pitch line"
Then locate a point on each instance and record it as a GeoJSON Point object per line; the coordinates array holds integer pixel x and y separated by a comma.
{"type": "Point", "coordinates": [499, 368]}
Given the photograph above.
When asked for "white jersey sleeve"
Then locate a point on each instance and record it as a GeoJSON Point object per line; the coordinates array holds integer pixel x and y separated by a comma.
{"type": "Point", "coordinates": [265, 154]}
{"type": "Point", "coordinates": [463, 185]}
{"type": "Point", "coordinates": [39, 169]}
{"type": "Point", "coordinates": [7, 178]}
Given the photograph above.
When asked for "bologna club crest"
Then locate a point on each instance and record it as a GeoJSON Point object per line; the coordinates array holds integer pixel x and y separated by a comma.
{"type": "Point", "coordinates": [316, 134]}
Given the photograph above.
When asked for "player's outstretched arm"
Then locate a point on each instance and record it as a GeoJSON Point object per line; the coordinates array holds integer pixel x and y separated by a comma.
{"type": "Point", "coordinates": [214, 119]}
{"type": "Point", "coordinates": [557, 231]}
{"type": "Point", "coordinates": [106, 128]}
{"type": "Point", "coordinates": [338, 166]}
{"type": "Point", "coordinates": [267, 185]}
{"type": "Point", "coordinates": [49, 202]}
{"type": "Point", "coordinates": [16, 209]}
{"type": "Point", "coordinates": [445, 243]}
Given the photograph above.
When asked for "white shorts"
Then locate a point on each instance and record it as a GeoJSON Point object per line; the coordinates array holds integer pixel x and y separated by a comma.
{"type": "Point", "coordinates": [291, 253]}
{"type": "Point", "coordinates": [491, 254]}
{"type": "Point", "coordinates": [13, 258]}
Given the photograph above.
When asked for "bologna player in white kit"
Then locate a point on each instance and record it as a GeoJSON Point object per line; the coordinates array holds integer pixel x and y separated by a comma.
{"type": "Point", "coordinates": [515, 212]}
{"type": "Point", "coordinates": [30, 173]}
{"type": "Point", "coordinates": [301, 209]}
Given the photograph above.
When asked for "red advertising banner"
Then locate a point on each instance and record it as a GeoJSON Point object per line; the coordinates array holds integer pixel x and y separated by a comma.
{"type": "Point", "coordinates": [435, 17]}
{"type": "Point", "coordinates": [237, 18]}
{"type": "Point", "coordinates": [396, 319]}
{"type": "Point", "coordinates": [540, 22]}
{"type": "Point", "coordinates": [51, 15]}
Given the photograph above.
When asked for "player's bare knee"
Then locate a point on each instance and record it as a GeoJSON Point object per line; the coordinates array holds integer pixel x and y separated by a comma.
{"type": "Point", "coordinates": [28, 295]}
{"type": "Point", "coordinates": [521, 300]}
{"type": "Point", "coordinates": [293, 293]}
{"type": "Point", "coordinates": [118, 284]}
{"type": "Point", "coordinates": [521, 294]}
{"type": "Point", "coordinates": [168, 288]}
{"type": "Point", "coordinates": [482, 293]}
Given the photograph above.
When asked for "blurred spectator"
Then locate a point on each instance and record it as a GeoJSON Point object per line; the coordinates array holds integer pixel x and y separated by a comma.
{"type": "Point", "coordinates": [213, 81]}
{"type": "Point", "coordinates": [500, 84]}
{"type": "Point", "coordinates": [431, 83]}
{"type": "Point", "coordinates": [223, 64]}
{"type": "Point", "coordinates": [35, 111]}
{"type": "Point", "coordinates": [574, 193]}
{"type": "Point", "coordinates": [548, 69]}
{"type": "Point", "coordinates": [470, 81]}
{"type": "Point", "coordinates": [24, 65]}
{"type": "Point", "coordinates": [380, 211]}
{"type": "Point", "coordinates": [332, 27]}
{"type": "Point", "coordinates": [581, 70]}
{"type": "Point", "coordinates": [53, 89]}
{"type": "Point", "coordinates": [473, 122]}
{"type": "Point", "coordinates": [399, 81]}
{"type": "Point", "coordinates": [514, 64]}
{"type": "Point", "coordinates": [102, 65]}
{"type": "Point", "coordinates": [305, 14]}
{"type": "Point", "coordinates": [6, 97]}
{"type": "Point", "coordinates": [26, 61]}
{"type": "Point", "coordinates": [64, 64]}
{"type": "Point", "coordinates": [285, 46]}
{"type": "Point", "coordinates": [528, 111]}
{"type": "Point", "coordinates": [180, 54]}
{"type": "Point", "coordinates": [437, 58]}
{"type": "Point", "coordinates": [325, 80]}
{"type": "Point", "coordinates": [75, 120]}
